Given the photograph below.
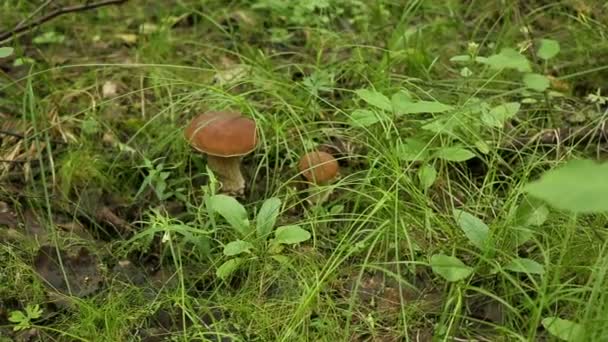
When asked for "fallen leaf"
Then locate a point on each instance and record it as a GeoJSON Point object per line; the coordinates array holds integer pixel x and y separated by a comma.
{"type": "Point", "coordinates": [109, 89]}
{"type": "Point", "coordinates": [559, 85]}
{"type": "Point", "coordinates": [77, 274]}
{"type": "Point", "coordinates": [128, 272]}
{"type": "Point", "coordinates": [368, 287]}
{"type": "Point", "coordinates": [8, 217]}
{"type": "Point", "coordinates": [33, 226]}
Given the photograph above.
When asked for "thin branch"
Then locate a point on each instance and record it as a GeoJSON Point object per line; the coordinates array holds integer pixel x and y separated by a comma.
{"type": "Point", "coordinates": [21, 136]}
{"type": "Point", "coordinates": [12, 134]}
{"type": "Point", "coordinates": [18, 161]}
{"type": "Point", "coordinates": [61, 11]}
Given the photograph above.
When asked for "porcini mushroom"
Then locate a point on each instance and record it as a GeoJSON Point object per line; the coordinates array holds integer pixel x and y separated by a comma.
{"type": "Point", "coordinates": [320, 169]}
{"type": "Point", "coordinates": [225, 137]}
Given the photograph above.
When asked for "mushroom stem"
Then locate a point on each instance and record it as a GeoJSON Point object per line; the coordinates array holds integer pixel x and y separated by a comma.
{"type": "Point", "coordinates": [228, 171]}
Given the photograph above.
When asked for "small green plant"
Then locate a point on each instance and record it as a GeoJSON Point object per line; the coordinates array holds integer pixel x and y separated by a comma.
{"type": "Point", "coordinates": [511, 59]}
{"type": "Point", "coordinates": [157, 180]}
{"type": "Point", "coordinates": [563, 329]}
{"type": "Point", "coordinates": [49, 37]}
{"type": "Point", "coordinates": [6, 51]}
{"type": "Point", "coordinates": [23, 319]}
{"type": "Point", "coordinates": [255, 240]}
{"type": "Point", "coordinates": [298, 13]}
{"type": "Point", "coordinates": [479, 235]}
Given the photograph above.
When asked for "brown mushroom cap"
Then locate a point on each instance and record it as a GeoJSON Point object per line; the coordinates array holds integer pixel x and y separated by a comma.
{"type": "Point", "coordinates": [222, 134]}
{"type": "Point", "coordinates": [318, 166]}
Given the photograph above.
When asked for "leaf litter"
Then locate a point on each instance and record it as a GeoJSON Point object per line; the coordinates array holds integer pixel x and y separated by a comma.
{"type": "Point", "coordinates": [75, 272]}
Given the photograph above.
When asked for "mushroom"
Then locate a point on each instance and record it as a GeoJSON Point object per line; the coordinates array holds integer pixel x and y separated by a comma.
{"type": "Point", "coordinates": [319, 168]}
{"type": "Point", "coordinates": [225, 137]}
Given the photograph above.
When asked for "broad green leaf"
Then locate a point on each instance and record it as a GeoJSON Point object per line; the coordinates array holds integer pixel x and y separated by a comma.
{"type": "Point", "coordinates": [497, 116]}
{"type": "Point", "coordinates": [237, 247]}
{"type": "Point", "coordinates": [482, 146]}
{"type": "Point", "coordinates": [23, 61]}
{"type": "Point", "coordinates": [17, 317]}
{"type": "Point", "coordinates": [531, 213]}
{"type": "Point", "coordinates": [401, 100]}
{"type": "Point", "coordinates": [412, 150]}
{"type": "Point", "coordinates": [267, 216]}
{"type": "Point", "coordinates": [490, 120]}
{"type": "Point", "coordinates": [508, 59]}
{"type": "Point", "coordinates": [461, 58]}
{"type": "Point", "coordinates": [227, 268]}
{"type": "Point", "coordinates": [538, 216]}
{"type": "Point", "coordinates": [481, 59]}
{"type": "Point", "coordinates": [524, 265]}
{"type": "Point", "coordinates": [506, 110]}
{"type": "Point", "coordinates": [520, 235]}
{"type": "Point", "coordinates": [291, 235]}
{"type": "Point", "coordinates": [336, 209]}
{"type": "Point", "coordinates": [450, 268]}
{"type": "Point", "coordinates": [375, 98]}
{"type": "Point", "coordinates": [232, 211]}
{"type": "Point", "coordinates": [475, 229]}
{"type": "Point", "coordinates": [49, 38]}
{"type": "Point", "coordinates": [548, 49]}
{"type": "Point", "coordinates": [563, 329]}
{"type": "Point", "coordinates": [364, 118]}
{"type": "Point", "coordinates": [442, 126]}
{"type": "Point", "coordinates": [427, 175]}
{"type": "Point", "coordinates": [454, 153]}
{"type": "Point", "coordinates": [424, 107]}
{"type": "Point", "coordinates": [536, 82]}
{"type": "Point", "coordinates": [466, 72]}
{"type": "Point", "coordinates": [282, 259]}
{"type": "Point", "coordinates": [6, 51]}
{"type": "Point", "coordinates": [579, 186]}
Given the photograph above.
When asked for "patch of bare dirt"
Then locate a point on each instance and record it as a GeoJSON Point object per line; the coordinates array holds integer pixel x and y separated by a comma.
{"type": "Point", "coordinates": [75, 272]}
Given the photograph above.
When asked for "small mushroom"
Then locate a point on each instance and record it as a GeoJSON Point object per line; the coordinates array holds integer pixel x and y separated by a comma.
{"type": "Point", "coordinates": [319, 168]}
{"type": "Point", "coordinates": [225, 137]}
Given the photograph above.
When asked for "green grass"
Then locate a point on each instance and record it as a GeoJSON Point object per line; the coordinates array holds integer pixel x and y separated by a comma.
{"type": "Point", "coordinates": [365, 273]}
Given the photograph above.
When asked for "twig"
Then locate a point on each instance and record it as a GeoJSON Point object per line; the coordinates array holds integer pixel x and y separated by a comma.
{"type": "Point", "coordinates": [61, 11]}
{"type": "Point", "coordinates": [12, 134]}
{"type": "Point", "coordinates": [18, 161]}
{"type": "Point", "coordinates": [21, 136]}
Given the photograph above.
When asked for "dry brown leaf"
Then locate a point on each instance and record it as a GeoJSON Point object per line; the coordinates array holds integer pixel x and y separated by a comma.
{"type": "Point", "coordinates": [75, 273]}
{"type": "Point", "coordinates": [559, 85]}
{"type": "Point", "coordinates": [109, 89]}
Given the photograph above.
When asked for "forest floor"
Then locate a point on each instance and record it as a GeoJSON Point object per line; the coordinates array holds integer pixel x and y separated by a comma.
{"type": "Point", "coordinates": [440, 113]}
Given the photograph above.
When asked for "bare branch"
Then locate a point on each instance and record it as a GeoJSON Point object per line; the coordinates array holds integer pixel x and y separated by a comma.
{"type": "Point", "coordinates": [61, 11]}
{"type": "Point", "coordinates": [18, 161]}
{"type": "Point", "coordinates": [21, 136]}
